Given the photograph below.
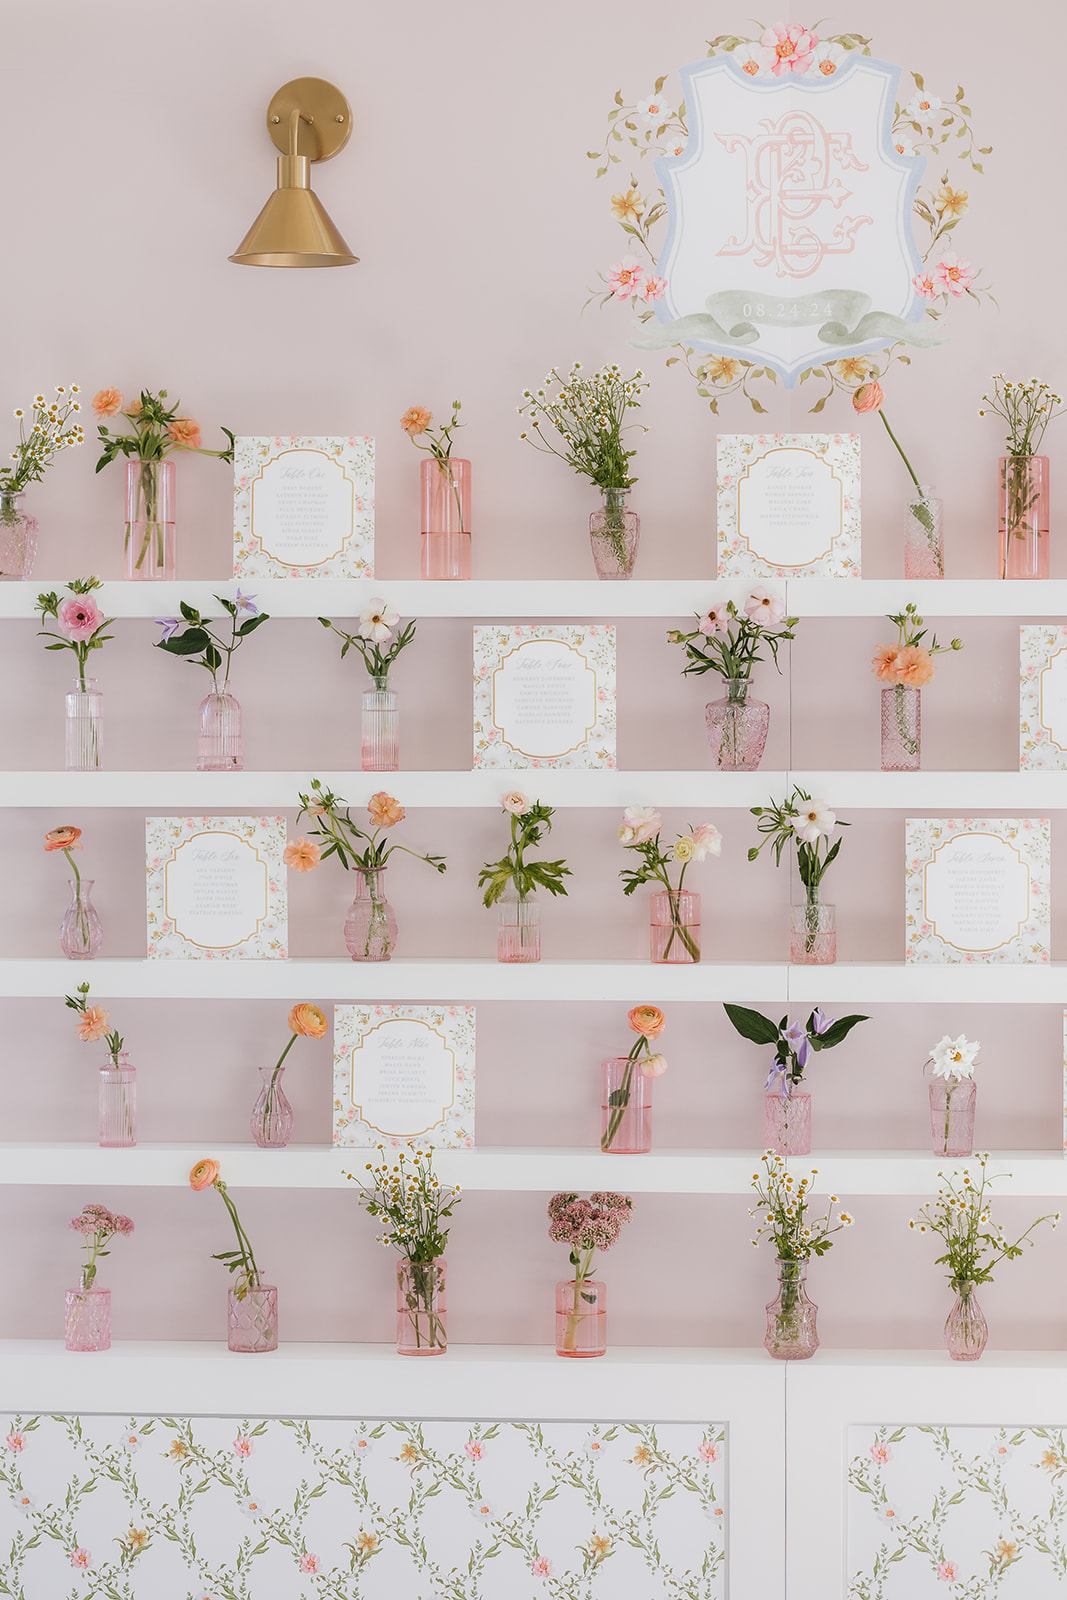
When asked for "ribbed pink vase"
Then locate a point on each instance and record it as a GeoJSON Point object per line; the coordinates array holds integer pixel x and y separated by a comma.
{"type": "Point", "coordinates": [625, 1107]}
{"type": "Point", "coordinates": [272, 1116]}
{"type": "Point", "coordinates": [218, 745]}
{"type": "Point", "coordinates": [581, 1318]}
{"type": "Point", "coordinates": [252, 1323]}
{"type": "Point", "coordinates": [518, 928]}
{"type": "Point", "coordinates": [150, 531]}
{"type": "Point", "coordinates": [88, 1319]}
{"type": "Point", "coordinates": [379, 729]}
{"type": "Point", "coordinates": [674, 926]}
{"type": "Point", "coordinates": [118, 1103]}
{"type": "Point", "coordinates": [421, 1305]}
{"type": "Point", "coordinates": [1024, 516]}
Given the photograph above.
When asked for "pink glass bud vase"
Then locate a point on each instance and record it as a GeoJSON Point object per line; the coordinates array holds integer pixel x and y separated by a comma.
{"type": "Point", "coordinates": [18, 537]}
{"type": "Point", "coordinates": [380, 729]}
{"type": "Point", "coordinates": [614, 533]}
{"type": "Point", "coordinates": [923, 553]}
{"type": "Point", "coordinates": [446, 518]}
{"type": "Point", "coordinates": [787, 1123]}
{"type": "Point", "coordinates": [518, 928]}
{"type": "Point", "coordinates": [252, 1322]}
{"type": "Point", "coordinates": [150, 537]}
{"type": "Point", "coordinates": [80, 934]}
{"type": "Point", "coordinates": [813, 934]}
{"type": "Point", "coordinates": [737, 727]}
{"type": "Point", "coordinates": [581, 1318]}
{"type": "Point", "coordinates": [966, 1329]}
{"type": "Point", "coordinates": [83, 727]}
{"type": "Point", "coordinates": [218, 747]}
{"type": "Point", "coordinates": [88, 1319]}
{"type": "Point", "coordinates": [420, 1308]}
{"type": "Point", "coordinates": [625, 1107]}
{"type": "Point", "coordinates": [1024, 516]}
{"type": "Point", "coordinates": [674, 926]}
{"type": "Point", "coordinates": [791, 1334]}
{"type": "Point", "coordinates": [901, 728]}
{"type": "Point", "coordinates": [272, 1115]}
{"type": "Point", "coordinates": [370, 927]}
{"type": "Point", "coordinates": [952, 1115]}
{"type": "Point", "coordinates": [118, 1103]}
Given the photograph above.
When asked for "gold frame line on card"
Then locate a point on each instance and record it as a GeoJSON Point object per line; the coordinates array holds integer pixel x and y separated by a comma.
{"type": "Point", "coordinates": [978, 833]}
{"type": "Point", "coordinates": [303, 450]}
{"type": "Point", "coordinates": [364, 1036]}
{"type": "Point", "coordinates": [559, 754]}
{"type": "Point", "coordinates": [1041, 697]}
{"type": "Point", "coordinates": [214, 833]}
{"type": "Point", "coordinates": [839, 533]}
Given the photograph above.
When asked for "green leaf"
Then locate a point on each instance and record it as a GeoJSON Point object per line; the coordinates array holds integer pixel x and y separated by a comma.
{"type": "Point", "coordinates": [189, 643]}
{"type": "Point", "coordinates": [834, 1035]}
{"type": "Point", "coordinates": [752, 1024]}
{"type": "Point", "coordinates": [189, 612]}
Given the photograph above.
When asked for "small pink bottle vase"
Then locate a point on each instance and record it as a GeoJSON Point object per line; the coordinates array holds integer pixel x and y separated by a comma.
{"type": "Point", "coordinates": [118, 1103]}
{"type": "Point", "coordinates": [218, 746]}
{"type": "Point", "coordinates": [272, 1115]}
{"type": "Point", "coordinates": [791, 1333]}
{"type": "Point", "coordinates": [787, 1124]}
{"type": "Point", "coordinates": [252, 1323]}
{"type": "Point", "coordinates": [446, 518]}
{"type": "Point", "coordinates": [901, 728]}
{"type": "Point", "coordinates": [581, 1318]}
{"type": "Point", "coordinates": [923, 552]}
{"type": "Point", "coordinates": [370, 927]}
{"type": "Point", "coordinates": [966, 1329]}
{"type": "Point", "coordinates": [518, 928]}
{"type": "Point", "coordinates": [614, 534]}
{"type": "Point", "coordinates": [80, 934]}
{"type": "Point", "coordinates": [84, 727]}
{"type": "Point", "coordinates": [674, 926]}
{"type": "Point", "coordinates": [737, 727]}
{"type": "Point", "coordinates": [421, 1305]}
{"type": "Point", "coordinates": [1024, 516]}
{"type": "Point", "coordinates": [150, 538]}
{"type": "Point", "coordinates": [380, 729]}
{"type": "Point", "coordinates": [813, 934]}
{"type": "Point", "coordinates": [625, 1108]}
{"type": "Point", "coordinates": [952, 1103]}
{"type": "Point", "coordinates": [88, 1319]}
{"type": "Point", "coordinates": [18, 537]}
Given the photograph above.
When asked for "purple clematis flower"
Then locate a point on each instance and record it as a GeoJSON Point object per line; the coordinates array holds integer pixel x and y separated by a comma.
{"type": "Point", "coordinates": [170, 626]}
{"type": "Point", "coordinates": [777, 1080]}
{"type": "Point", "coordinates": [246, 602]}
{"type": "Point", "coordinates": [820, 1023]}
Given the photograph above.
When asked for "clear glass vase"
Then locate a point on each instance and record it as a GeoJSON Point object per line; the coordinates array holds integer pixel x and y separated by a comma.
{"type": "Point", "coordinates": [421, 1305]}
{"type": "Point", "coordinates": [518, 927]}
{"type": "Point", "coordinates": [18, 537]}
{"type": "Point", "coordinates": [737, 727]}
{"type": "Point", "coordinates": [1024, 516]}
{"type": "Point", "coordinates": [218, 746]}
{"type": "Point", "coordinates": [901, 728]}
{"type": "Point", "coordinates": [791, 1333]}
{"type": "Point", "coordinates": [272, 1115]}
{"type": "Point", "coordinates": [787, 1123]}
{"type": "Point", "coordinates": [625, 1107]}
{"type": "Point", "coordinates": [674, 926]}
{"type": "Point", "coordinates": [150, 535]}
{"type": "Point", "coordinates": [380, 729]}
{"type": "Point", "coordinates": [614, 534]}
{"type": "Point", "coordinates": [966, 1329]}
{"type": "Point", "coordinates": [88, 1319]}
{"type": "Point", "coordinates": [952, 1115]}
{"type": "Point", "coordinates": [252, 1323]}
{"type": "Point", "coordinates": [581, 1318]}
{"type": "Point", "coordinates": [118, 1102]}
{"type": "Point", "coordinates": [923, 553]}
{"type": "Point", "coordinates": [446, 518]}
{"type": "Point", "coordinates": [370, 927]}
{"type": "Point", "coordinates": [84, 727]}
{"type": "Point", "coordinates": [80, 933]}
{"type": "Point", "coordinates": [813, 934]}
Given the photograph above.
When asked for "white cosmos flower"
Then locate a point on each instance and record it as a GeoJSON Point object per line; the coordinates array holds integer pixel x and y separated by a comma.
{"type": "Point", "coordinates": [814, 820]}
{"type": "Point", "coordinates": [377, 622]}
{"type": "Point", "coordinates": [654, 109]}
{"type": "Point", "coordinates": [954, 1058]}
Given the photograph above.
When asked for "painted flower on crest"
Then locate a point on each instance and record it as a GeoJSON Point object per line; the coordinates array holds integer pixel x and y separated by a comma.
{"type": "Point", "coordinates": [626, 278]}
{"type": "Point", "coordinates": [749, 58]}
{"type": "Point", "coordinates": [828, 57]}
{"type": "Point", "coordinates": [953, 275]}
{"type": "Point", "coordinates": [653, 109]}
{"type": "Point", "coordinates": [922, 106]}
{"type": "Point", "coordinates": [788, 48]}
{"type": "Point", "coordinates": [628, 206]}
{"type": "Point", "coordinates": [924, 285]}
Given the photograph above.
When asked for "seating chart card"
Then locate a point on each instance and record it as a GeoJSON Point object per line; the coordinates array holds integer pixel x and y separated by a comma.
{"type": "Point", "coordinates": [1042, 697]}
{"type": "Point", "coordinates": [789, 505]}
{"type": "Point", "coordinates": [404, 1074]}
{"type": "Point", "coordinates": [544, 696]}
{"type": "Point", "coordinates": [216, 888]}
{"type": "Point", "coordinates": [303, 507]}
{"type": "Point", "coordinates": [1065, 1083]}
{"type": "Point", "coordinates": [977, 890]}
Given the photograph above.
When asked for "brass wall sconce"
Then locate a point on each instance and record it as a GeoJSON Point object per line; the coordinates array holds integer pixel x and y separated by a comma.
{"type": "Point", "coordinates": [309, 120]}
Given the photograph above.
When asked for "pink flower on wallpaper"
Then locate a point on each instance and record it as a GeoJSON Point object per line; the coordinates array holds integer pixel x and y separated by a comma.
{"type": "Point", "coordinates": [948, 1572]}
{"type": "Point", "coordinates": [23, 1501]}
{"type": "Point", "coordinates": [708, 1452]}
{"type": "Point", "coordinates": [880, 1453]}
{"type": "Point", "coordinates": [14, 1442]}
{"type": "Point", "coordinates": [626, 277]}
{"type": "Point", "coordinates": [474, 1450]}
{"type": "Point", "coordinates": [80, 1558]}
{"type": "Point", "coordinates": [243, 1446]}
{"type": "Point", "coordinates": [789, 48]}
{"type": "Point", "coordinates": [953, 275]}
{"type": "Point", "coordinates": [309, 1562]}
{"type": "Point", "coordinates": [924, 285]}
{"type": "Point", "coordinates": [541, 1567]}
{"type": "Point", "coordinates": [653, 288]}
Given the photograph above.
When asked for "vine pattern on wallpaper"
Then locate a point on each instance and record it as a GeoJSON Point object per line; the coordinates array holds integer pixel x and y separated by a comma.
{"type": "Point", "coordinates": [239, 1509]}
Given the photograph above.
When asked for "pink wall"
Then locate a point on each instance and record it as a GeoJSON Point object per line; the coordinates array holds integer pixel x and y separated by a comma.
{"type": "Point", "coordinates": [467, 192]}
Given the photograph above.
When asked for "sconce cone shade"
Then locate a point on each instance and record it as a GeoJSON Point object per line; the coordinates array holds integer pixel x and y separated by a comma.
{"type": "Point", "coordinates": [294, 228]}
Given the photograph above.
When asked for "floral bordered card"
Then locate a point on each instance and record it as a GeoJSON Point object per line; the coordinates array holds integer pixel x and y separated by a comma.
{"type": "Point", "coordinates": [404, 1073]}
{"type": "Point", "coordinates": [544, 696]}
{"type": "Point", "coordinates": [216, 888]}
{"type": "Point", "coordinates": [1042, 697]}
{"type": "Point", "coordinates": [789, 505]}
{"type": "Point", "coordinates": [977, 889]}
{"type": "Point", "coordinates": [303, 507]}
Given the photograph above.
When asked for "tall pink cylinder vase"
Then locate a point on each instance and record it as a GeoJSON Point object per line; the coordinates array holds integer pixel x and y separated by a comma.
{"type": "Point", "coordinates": [446, 518]}
{"type": "Point", "coordinates": [420, 1307]}
{"type": "Point", "coordinates": [952, 1116]}
{"type": "Point", "coordinates": [581, 1318]}
{"type": "Point", "coordinates": [1024, 516]}
{"type": "Point", "coordinates": [150, 532]}
{"type": "Point", "coordinates": [625, 1107]}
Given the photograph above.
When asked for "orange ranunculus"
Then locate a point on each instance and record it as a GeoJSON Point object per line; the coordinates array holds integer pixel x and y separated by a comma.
{"type": "Point", "coordinates": [203, 1174]}
{"type": "Point", "coordinates": [185, 431]}
{"type": "Point", "coordinates": [868, 397]}
{"type": "Point", "coordinates": [384, 810]}
{"type": "Point", "coordinates": [107, 403]}
{"type": "Point", "coordinates": [416, 419]}
{"type": "Point", "coordinates": [884, 663]}
{"type": "Point", "coordinates": [63, 839]}
{"type": "Point", "coordinates": [93, 1024]}
{"type": "Point", "coordinates": [913, 666]}
{"type": "Point", "coordinates": [135, 407]}
{"type": "Point", "coordinates": [647, 1020]}
{"type": "Point", "coordinates": [303, 855]}
{"type": "Point", "coordinates": [308, 1020]}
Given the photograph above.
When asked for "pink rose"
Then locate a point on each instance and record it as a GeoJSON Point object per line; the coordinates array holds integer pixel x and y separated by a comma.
{"type": "Point", "coordinates": [79, 617]}
{"type": "Point", "coordinates": [515, 802]}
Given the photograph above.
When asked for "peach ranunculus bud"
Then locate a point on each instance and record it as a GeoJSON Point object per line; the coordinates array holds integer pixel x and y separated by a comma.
{"type": "Point", "coordinates": [648, 1021]}
{"type": "Point", "coordinates": [185, 432]}
{"type": "Point", "coordinates": [384, 810]}
{"type": "Point", "coordinates": [639, 825]}
{"type": "Point", "coordinates": [913, 666]}
{"type": "Point", "coordinates": [653, 1066]}
{"type": "Point", "coordinates": [883, 663]}
{"type": "Point", "coordinates": [93, 1024]}
{"type": "Point", "coordinates": [204, 1174]}
{"type": "Point", "coordinates": [303, 855]}
{"type": "Point", "coordinates": [308, 1020]}
{"type": "Point", "coordinates": [65, 838]}
{"type": "Point", "coordinates": [416, 419]}
{"type": "Point", "coordinates": [868, 397]}
{"type": "Point", "coordinates": [107, 403]}
{"type": "Point", "coordinates": [515, 802]}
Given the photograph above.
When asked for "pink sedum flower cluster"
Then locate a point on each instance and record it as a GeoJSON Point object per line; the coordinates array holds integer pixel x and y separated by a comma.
{"type": "Point", "coordinates": [593, 1224]}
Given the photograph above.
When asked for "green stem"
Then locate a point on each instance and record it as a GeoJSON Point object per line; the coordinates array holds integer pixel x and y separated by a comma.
{"type": "Point", "coordinates": [620, 1098]}
{"type": "Point", "coordinates": [903, 457]}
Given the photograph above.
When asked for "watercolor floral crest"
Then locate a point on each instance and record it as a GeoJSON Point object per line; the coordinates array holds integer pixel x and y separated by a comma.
{"type": "Point", "coordinates": [923, 125]}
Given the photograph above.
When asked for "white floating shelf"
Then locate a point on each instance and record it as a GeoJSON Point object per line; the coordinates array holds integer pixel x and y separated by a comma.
{"type": "Point", "coordinates": [951, 597]}
{"type": "Point", "coordinates": [523, 1169]}
{"type": "Point", "coordinates": [929, 982]}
